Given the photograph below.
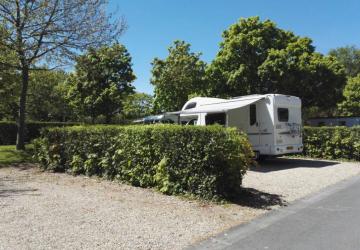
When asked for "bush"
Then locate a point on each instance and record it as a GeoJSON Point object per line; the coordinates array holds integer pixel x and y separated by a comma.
{"type": "Point", "coordinates": [332, 142]}
{"type": "Point", "coordinates": [208, 162]}
{"type": "Point", "coordinates": [8, 130]}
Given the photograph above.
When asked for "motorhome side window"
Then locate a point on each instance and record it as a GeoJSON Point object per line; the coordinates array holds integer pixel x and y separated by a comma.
{"type": "Point", "coordinates": [217, 118]}
{"type": "Point", "coordinates": [191, 105]}
{"type": "Point", "coordinates": [283, 114]}
{"type": "Point", "coordinates": [252, 114]}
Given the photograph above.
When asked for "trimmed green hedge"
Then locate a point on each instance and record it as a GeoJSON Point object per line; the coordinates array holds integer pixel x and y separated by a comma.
{"type": "Point", "coordinates": [8, 130]}
{"type": "Point", "coordinates": [208, 162]}
{"type": "Point", "coordinates": [332, 142]}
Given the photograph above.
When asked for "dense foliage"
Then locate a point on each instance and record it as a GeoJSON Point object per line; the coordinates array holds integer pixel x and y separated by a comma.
{"type": "Point", "coordinates": [138, 105]}
{"type": "Point", "coordinates": [46, 96]}
{"type": "Point", "coordinates": [207, 162]}
{"type": "Point", "coordinates": [332, 142]}
{"type": "Point", "coordinates": [9, 85]}
{"type": "Point", "coordinates": [349, 57]}
{"type": "Point", "coordinates": [257, 57]}
{"type": "Point", "coordinates": [32, 130]}
{"type": "Point", "coordinates": [101, 81]}
{"type": "Point", "coordinates": [351, 104]}
{"type": "Point", "coordinates": [176, 77]}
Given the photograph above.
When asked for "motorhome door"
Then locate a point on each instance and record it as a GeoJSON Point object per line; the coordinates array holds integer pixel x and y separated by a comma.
{"type": "Point", "coordinates": [253, 128]}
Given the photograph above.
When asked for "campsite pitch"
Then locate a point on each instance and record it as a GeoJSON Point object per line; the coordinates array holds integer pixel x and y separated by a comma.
{"type": "Point", "coordinates": [46, 210]}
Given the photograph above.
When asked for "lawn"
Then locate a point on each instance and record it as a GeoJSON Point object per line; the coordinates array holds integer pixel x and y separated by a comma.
{"type": "Point", "coordinates": [9, 155]}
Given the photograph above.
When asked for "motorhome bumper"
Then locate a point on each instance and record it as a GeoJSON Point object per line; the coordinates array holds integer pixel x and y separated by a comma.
{"type": "Point", "coordinates": [287, 149]}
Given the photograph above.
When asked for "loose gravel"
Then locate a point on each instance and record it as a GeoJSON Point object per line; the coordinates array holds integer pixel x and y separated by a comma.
{"type": "Point", "coordinates": [293, 179]}
{"type": "Point", "coordinates": [40, 210]}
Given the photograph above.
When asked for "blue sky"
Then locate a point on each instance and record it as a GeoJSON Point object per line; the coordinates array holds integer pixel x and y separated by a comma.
{"type": "Point", "coordinates": [155, 24]}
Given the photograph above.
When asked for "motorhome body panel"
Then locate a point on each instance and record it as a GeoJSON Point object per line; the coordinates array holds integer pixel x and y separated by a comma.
{"type": "Point", "coordinates": [265, 125]}
{"type": "Point", "coordinates": [287, 124]}
{"type": "Point", "coordinates": [256, 120]}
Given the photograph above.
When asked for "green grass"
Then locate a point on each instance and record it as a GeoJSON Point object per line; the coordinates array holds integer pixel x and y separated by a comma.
{"type": "Point", "coordinates": [9, 155]}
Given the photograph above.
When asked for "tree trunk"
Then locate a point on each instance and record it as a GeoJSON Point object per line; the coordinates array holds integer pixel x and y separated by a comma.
{"type": "Point", "coordinates": [20, 140]}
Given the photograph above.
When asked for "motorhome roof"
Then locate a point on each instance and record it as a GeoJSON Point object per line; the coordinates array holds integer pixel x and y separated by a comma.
{"type": "Point", "coordinates": [232, 100]}
{"type": "Point", "coordinates": [219, 105]}
{"type": "Point", "coordinates": [242, 96]}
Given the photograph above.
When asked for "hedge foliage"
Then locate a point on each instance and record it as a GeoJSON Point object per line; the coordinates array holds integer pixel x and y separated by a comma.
{"type": "Point", "coordinates": [208, 162]}
{"type": "Point", "coordinates": [332, 142]}
{"type": "Point", "coordinates": [8, 130]}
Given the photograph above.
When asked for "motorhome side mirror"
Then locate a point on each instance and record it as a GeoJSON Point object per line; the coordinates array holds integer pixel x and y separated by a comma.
{"type": "Point", "coordinates": [257, 124]}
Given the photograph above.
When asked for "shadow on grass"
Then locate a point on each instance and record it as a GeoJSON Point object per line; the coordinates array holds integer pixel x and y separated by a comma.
{"type": "Point", "coordinates": [278, 164]}
{"type": "Point", "coordinates": [251, 197]}
{"type": "Point", "coordinates": [9, 155]}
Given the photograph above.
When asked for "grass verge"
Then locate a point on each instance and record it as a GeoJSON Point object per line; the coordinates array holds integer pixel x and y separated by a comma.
{"type": "Point", "coordinates": [9, 155]}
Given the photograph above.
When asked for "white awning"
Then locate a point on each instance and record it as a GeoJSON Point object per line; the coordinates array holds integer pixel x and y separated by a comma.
{"type": "Point", "coordinates": [220, 107]}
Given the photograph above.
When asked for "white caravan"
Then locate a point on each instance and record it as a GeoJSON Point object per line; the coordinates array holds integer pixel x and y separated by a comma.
{"type": "Point", "coordinates": [272, 121]}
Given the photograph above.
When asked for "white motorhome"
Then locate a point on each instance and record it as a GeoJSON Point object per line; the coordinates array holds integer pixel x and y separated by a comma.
{"type": "Point", "coordinates": [272, 121]}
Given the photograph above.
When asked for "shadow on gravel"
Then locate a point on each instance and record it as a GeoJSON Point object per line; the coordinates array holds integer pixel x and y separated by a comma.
{"type": "Point", "coordinates": [19, 166]}
{"type": "Point", "coordinates": [17, 192]}
{"type": "Point", "coordinates": [251, 197]}
{"type": "Point", "coordinates": [278, 164]}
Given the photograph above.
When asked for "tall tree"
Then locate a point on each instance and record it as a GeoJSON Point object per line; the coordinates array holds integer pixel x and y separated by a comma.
{"type": "Point", "coordinates": [9, 93]}
{"type": "Point", "coordinates": [9, 79]}
{"type": "Point", "coordinates": [47, 96]}
{"type": "Point", "coordinates": [9, 87]}
{"type": "Point", "coordinates": [257, 57]}
{"type": "Point", "coordinates": [348, 56]}
{"type": "Point", "coordinates": [351, 105]}
{"type": "Point", "coordinates": [101, 82]}
{"type": "Point", "coordinates": [245, 46]}
{"type": "Point", "coordinates": [295, 70]}
{"type": "Point", "coordinates": [176, 77]}
{"type": "Point", "coordinates": [51, 30]}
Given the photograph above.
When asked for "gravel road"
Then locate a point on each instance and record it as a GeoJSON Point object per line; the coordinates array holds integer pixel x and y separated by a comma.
{"type": "Point", "coordinates": [57, 211]}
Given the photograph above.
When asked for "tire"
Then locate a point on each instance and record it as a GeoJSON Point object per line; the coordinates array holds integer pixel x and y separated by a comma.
{"type": "Point", "coordinates": [257, 155]}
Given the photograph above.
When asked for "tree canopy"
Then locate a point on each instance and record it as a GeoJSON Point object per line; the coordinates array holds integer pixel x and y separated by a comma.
{"type": "Point", "coordinates": [295, 71]}
{"type": "Point", "coordinates": [351, 105]}
{"type": "Point", "coordinates": [349, 56]}
{"type": "Point", "coordinates": [46, 97]}
{"type": "Point", "coordinates": [9, 87]}
{"type": "Point", "coordinates": [138, 105]}
{"type": "Point", "coordinates": [258, 57]}
{"type": "Point", "coordinates": [101, 81]}
{"type": "Point", "coordinates": [176, 77]}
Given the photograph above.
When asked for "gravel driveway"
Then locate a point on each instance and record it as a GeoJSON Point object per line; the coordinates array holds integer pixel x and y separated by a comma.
{"type": "Point", "coordinates": [57, 211]}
